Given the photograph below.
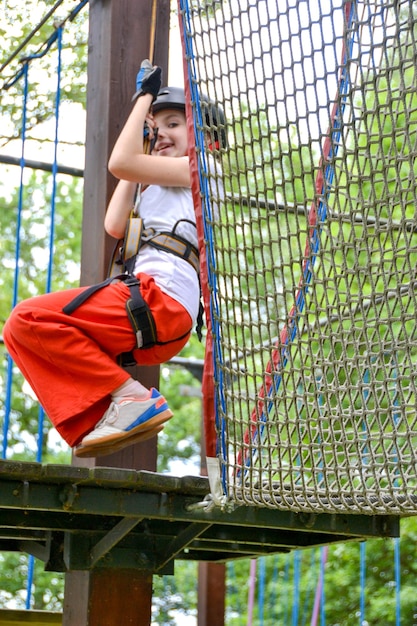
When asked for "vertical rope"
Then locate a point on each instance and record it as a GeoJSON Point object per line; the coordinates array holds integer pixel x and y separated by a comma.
{"type": "Point", "coordinates": [24, 72]}
{"type": "Point", "coordinates": [251, 591]}
{"type": "Point", "coordinates": [275, 587]}
{"type": "Point", "coordinates": [397, 569]}
{"type": "Point", "coordinates": [285, 589]}
{"type": "Point", "coordinates": [319, 598]}
{"type": "Point", "coordinates": [364, 460]}
{"type": "Point", "coordinates": [41, 417]}
{"type": "Point", "coordinates": [362, 579]}
{"type": "Point", "coordinates": [261, 587]}
{"type": "Point", "coordinates": [199, 170]}
{"type": "Point", "coordinates": [309, 591]}
{"type": "Point", "coordinates": [9, 375]}
{"type": "Point", "coordinates": [397, 544]}
{"type": "Point", "coordinates": [296, 587]}
{"type": "Point", "coordinates": [41, 413]}
{"type": "Point", "coordinates": [152, 35]}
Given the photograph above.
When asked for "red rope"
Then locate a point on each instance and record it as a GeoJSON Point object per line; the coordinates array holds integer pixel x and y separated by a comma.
{"type": "Point", "coordinates": [208, 370]}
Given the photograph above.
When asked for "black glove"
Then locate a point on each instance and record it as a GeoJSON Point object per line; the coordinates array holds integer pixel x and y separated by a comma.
{"type": "Point", "coordinates": [148, 80]}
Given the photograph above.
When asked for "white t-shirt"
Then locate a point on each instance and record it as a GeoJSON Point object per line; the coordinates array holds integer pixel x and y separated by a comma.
{"type": "Point", "coordinates": [165, 209]}
{"type": "Point", "coordinates": [162, 208]}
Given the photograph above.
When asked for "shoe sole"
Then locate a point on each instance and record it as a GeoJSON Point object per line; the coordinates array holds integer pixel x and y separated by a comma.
{"type": "Point", "coordinates": [106, 449]}
{"type": "Point", "coordinates": [116, 442]}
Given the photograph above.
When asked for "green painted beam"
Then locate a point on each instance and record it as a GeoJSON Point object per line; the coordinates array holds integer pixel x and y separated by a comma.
{"type": "Point", "coordinates": [34, 618]}
{"type": "Point", "coordinates": [86, 499]}
{"type": "Point", "coordinates": [81, 518]}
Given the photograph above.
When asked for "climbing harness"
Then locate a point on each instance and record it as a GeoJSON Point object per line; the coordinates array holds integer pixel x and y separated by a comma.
{"type": "Point", "coordinates": [138, 312]}
{"type": "Point", "coordinates": [126, 251]}
{"type": "Point", "coordinates": [123, 261]}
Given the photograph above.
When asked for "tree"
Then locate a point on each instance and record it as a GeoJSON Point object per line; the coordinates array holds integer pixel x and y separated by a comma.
{"type": "Point", "coordinates": [269, 169]}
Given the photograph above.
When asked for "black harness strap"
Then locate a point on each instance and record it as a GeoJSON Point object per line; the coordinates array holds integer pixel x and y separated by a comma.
{"type": "Point", "coordinates": [140, 316]}
{"type": "Point", "coordinates": [84, 295]}
{"type": "Point", "coordinates": [139, 313]}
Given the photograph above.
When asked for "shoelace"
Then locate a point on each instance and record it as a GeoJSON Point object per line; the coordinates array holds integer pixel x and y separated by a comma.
{"type": "Point", "coordinates": [110, 415]}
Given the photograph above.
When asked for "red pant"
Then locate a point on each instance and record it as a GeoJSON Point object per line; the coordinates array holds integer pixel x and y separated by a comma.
{"type": "Point", "coordinates": [70, 360]}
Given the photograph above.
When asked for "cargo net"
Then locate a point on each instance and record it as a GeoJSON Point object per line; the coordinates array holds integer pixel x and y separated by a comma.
{"type": "Point", "coordinates": [312, 258]}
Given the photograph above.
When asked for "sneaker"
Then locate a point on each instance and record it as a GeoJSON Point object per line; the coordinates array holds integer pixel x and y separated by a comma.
{"type": "Point", "coordinates": [105, 449]}
{"type": "Point", "coordinates": [125, 422]}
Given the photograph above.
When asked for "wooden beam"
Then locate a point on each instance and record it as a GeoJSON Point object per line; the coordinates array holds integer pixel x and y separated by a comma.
{"type": "Point", "coordinates": [119, 39]}
{"type": "Point", "coordinates": [32, 618]}
{"type": "Point", "coordinates": [211, 598]}
{"type": "Point", "coordinates": [127, 604]}
{"type": "Point", "coordinates": [211, 594]}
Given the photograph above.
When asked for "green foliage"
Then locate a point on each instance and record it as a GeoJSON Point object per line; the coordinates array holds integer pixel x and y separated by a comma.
{"type": "Point", "coordinates": [35, 253]}
{"type": "Point", "coordinates": [181, 438]}
{"type": "Point", "coordinates": [275, 167]}
{"type": "Point", "coordinates": [267, 163]}
{"type": "Point", "coordinates": [289, 582]}
{"type": "Point", "coordinates": [175, 596]}
{"type": "Point", "coordinates": [47, 590]}
{"type": "Point", "coordinates": [42, 78]}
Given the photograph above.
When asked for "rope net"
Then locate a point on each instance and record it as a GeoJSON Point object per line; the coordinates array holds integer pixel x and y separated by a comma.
{"type": "Point", "coordinates": [311, 259]}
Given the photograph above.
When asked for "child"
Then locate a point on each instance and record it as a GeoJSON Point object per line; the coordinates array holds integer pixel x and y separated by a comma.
{"type": "Point", "coordinates": [71, 360]}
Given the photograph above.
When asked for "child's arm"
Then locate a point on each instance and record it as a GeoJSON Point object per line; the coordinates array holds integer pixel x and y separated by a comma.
{"type": "Point", "coordinates": [129, 162]}
{"type": "Point", "coordinates": [119, 208]}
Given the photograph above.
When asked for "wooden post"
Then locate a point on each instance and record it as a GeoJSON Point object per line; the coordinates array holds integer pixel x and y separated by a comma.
{"type": "Point", "coordinates": [211, 594]}
{"type": "Point", "coordinates": [119, 39]}
{"type": "Point", "coordinates": [211, 577]}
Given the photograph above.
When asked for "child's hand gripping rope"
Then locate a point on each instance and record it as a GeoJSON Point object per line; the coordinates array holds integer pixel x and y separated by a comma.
{"type": "Point", "coordinates": [148, 80]}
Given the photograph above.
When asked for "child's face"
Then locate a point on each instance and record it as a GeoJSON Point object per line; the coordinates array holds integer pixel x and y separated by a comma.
{"type": "Point", "coordinates": [171, 137]}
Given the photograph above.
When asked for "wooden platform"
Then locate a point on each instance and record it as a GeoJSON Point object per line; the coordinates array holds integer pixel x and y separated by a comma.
{"type": "Point", "coordinates": [75, 518]}
{"type": "Point", "coordinates": [33, 618]}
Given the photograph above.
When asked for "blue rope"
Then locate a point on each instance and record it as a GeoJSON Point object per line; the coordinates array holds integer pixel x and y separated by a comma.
{"type": "Point", "coordinates": [362, 561]}
{"type": "Point", "coordinates": [41, 415]}
{"type": "Point", "coordinates": [323, 591]}
{"type": "Point", "coordinates": [27, 59]}
{"type": "Point", "coordinates": [296, 588]}
{"type": "Point", "coordinates": [397, 545]}
{"type": "Point", "coordinates": [25, 72]}
{"type": "Point", "coordinates": [208, 235]}
{"type": "Point", "coordinates": [362, 578]}
{"type": "Point", "coordinates": [397, 569]}
{"type": "Point", "coordinates": [275, 586]}
{"type": "Point", "coordinates": [310, 587]}
{"type": "Point", "coordinates": [285, 590]}
{"type": "Point", "coordinates": [9, 375]}
{"type": "Point", "coordinates": [45, 46]}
